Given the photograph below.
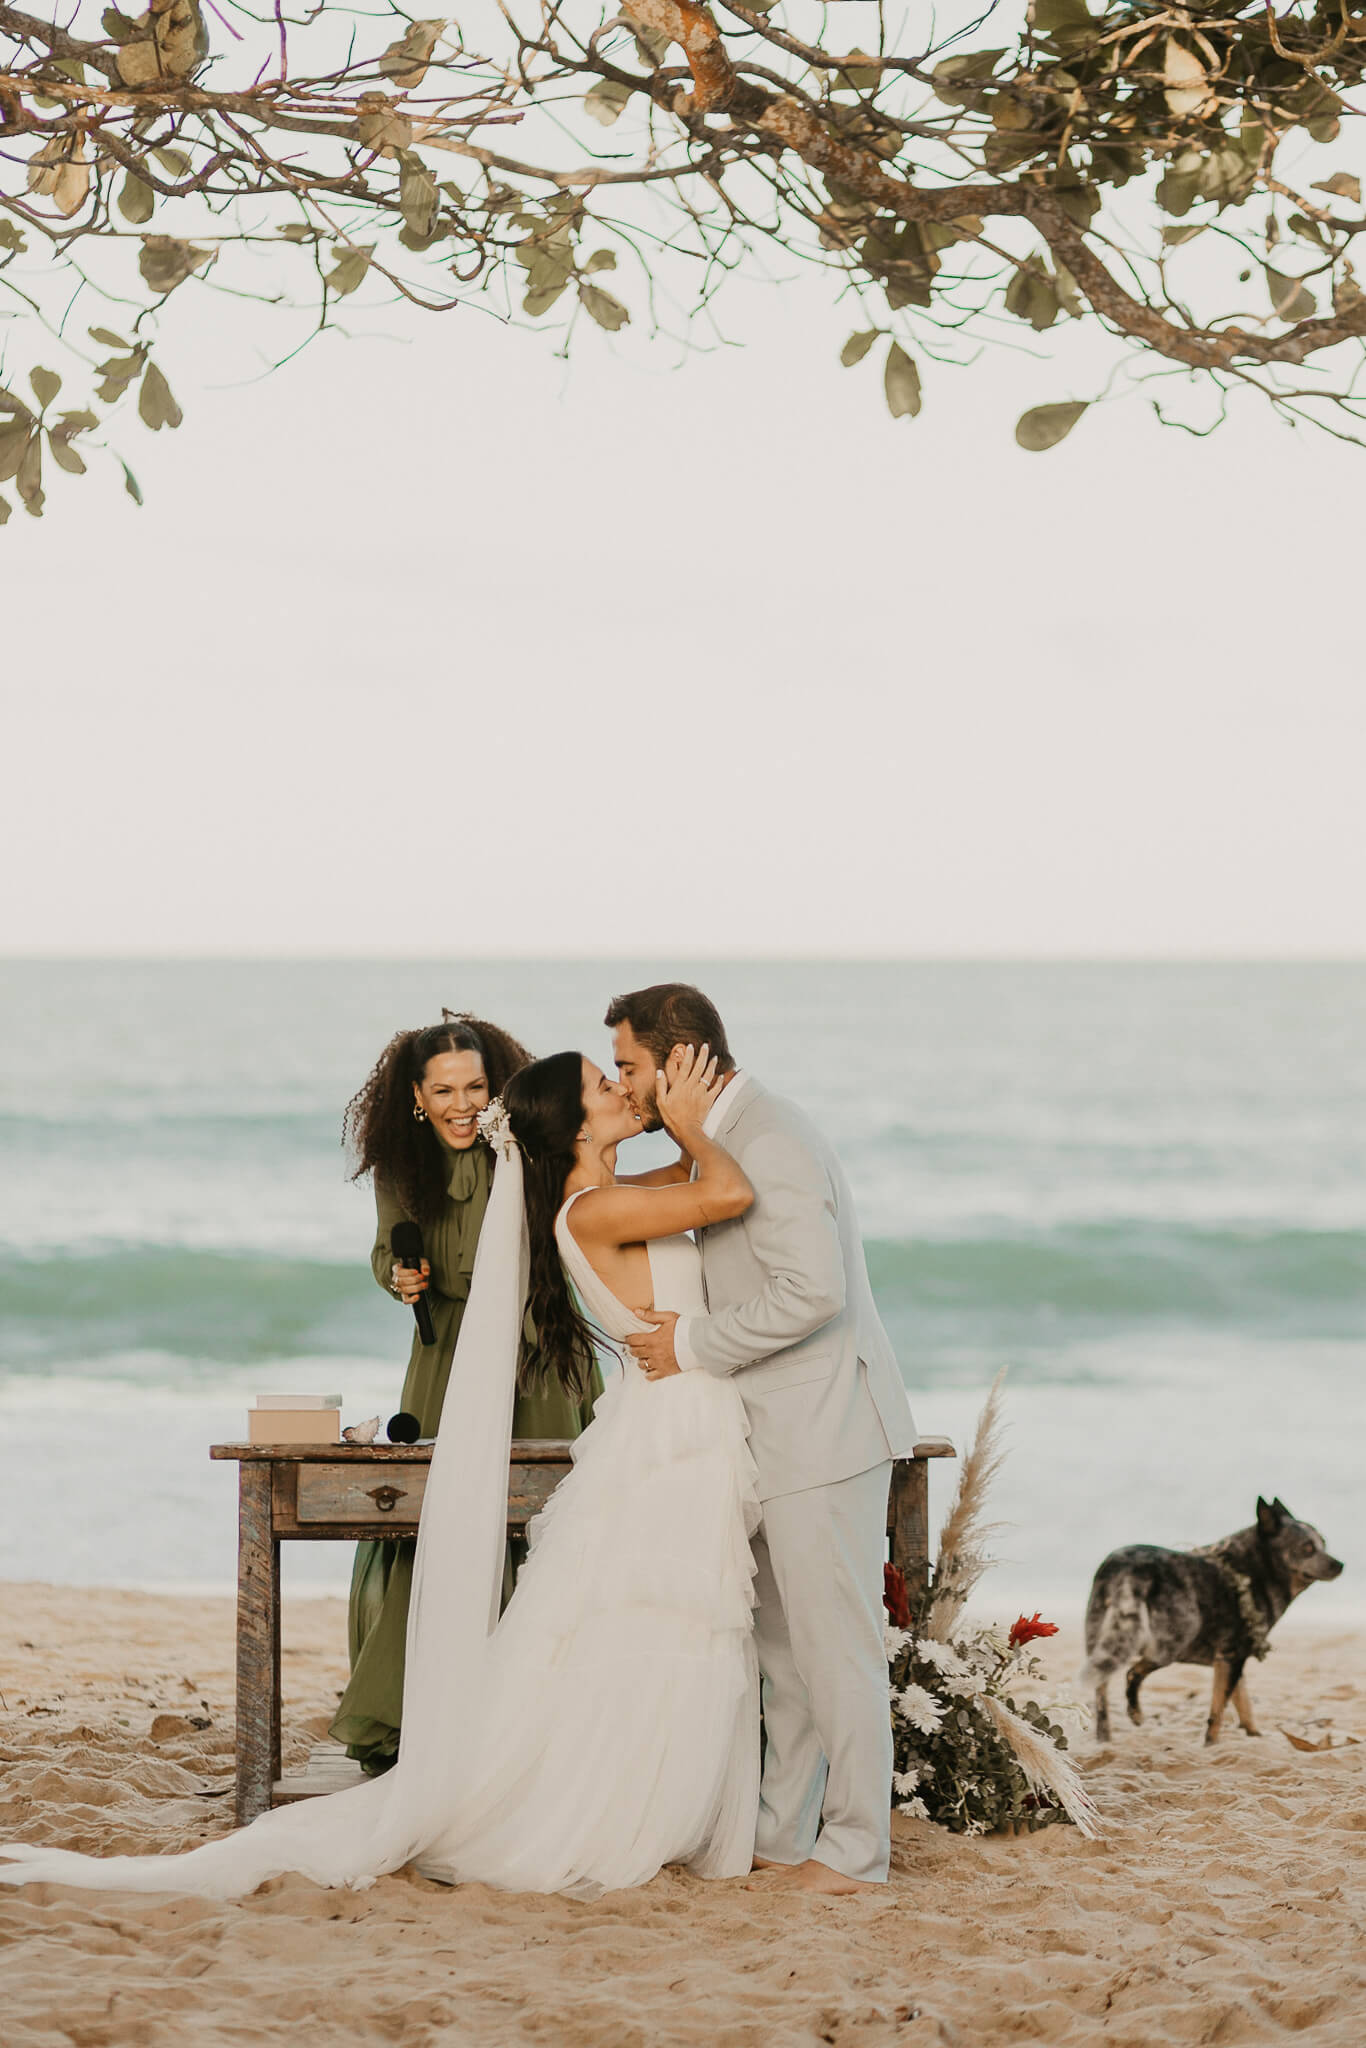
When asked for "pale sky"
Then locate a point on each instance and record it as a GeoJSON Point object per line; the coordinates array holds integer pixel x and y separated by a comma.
{"type": "Point", "coordinates": [431, 644]}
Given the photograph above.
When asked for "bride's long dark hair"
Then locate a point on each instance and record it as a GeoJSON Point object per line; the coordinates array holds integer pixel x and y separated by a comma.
{"type": "Point", "coordinates": [544, 1102]}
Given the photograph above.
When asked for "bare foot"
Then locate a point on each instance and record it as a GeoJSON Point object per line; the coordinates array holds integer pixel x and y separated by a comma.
{"type": "Point", "coordinates": [768, 1863]}
{"type": "Point", "coordinates": [814, 1876]}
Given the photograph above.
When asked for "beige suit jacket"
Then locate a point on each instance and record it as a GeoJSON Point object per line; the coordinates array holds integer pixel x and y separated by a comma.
{"type": "Point", "coordinates": [790, 1312]}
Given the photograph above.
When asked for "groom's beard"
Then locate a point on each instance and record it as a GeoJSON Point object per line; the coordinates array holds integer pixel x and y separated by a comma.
{"type": "Point", "coordinates": [648, 1112]}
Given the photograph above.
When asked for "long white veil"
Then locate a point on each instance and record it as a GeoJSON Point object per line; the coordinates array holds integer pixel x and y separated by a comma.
{"type": "Point", "coordinates": [355, 1836]}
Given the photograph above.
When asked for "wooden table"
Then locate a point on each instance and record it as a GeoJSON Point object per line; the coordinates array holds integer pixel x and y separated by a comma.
{"type": "Point", "coordinates": [343, 1493]}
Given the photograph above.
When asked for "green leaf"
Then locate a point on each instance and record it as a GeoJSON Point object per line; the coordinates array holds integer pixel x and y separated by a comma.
{"type": "Point", "coordinates": [406, 60]}
{"type": "Point", "coordinates": [417, 196]}
{"type": "Point", "coordinates": [166, 262]}
{"type": "Point", "coordinates": [541, 297]}
{"type": "Point", "coordinates": [131, 485]}
{"type": "Point", "coordinates": [60, 170]}
{"type": "Point", "coordinates": [28, 480]}
{"type": "Point", "coordinates": [1043, 426]}
{"type": "Point", "coordinates": [1046, 15]}
{"type": "Point", "coordinates": [958, 81]}
{"type": "Point", "coordinates": [601, 259]}
{"type": "Point", "coordinates": [76, 423]}
{"type": "Point", "coordinates": [106, 339]}
{"type": "Point", "coordinates": [1032, 295]}
{"type": "Point", "coordinates": [1308, 230]}
{"type": "Point", "coordinates": [352, 265]}
{"type": "Point", "coordinates": [118, 27]}
{"type": "Point", "coordinates": [174, 162]}
{"type": "Point", "coordinates": [1174, 237]}
{"type": "Point", "coordinates": [1179, 186]}
{"type": "Point", "coordinates": [607, 311]}
{"type": "Point", "coordinates": [14, 441]}
{"type": "Point", "coordinates": [858, 73]}
{"type": "Point", "coordinates": [4, 510]}
{"type": "Point", "coordinates": [63, 454]}
{"type": "Point", "coordinates": [137, 201]}
{"type": "Point", "coordinates": [651, 47]}
{"type": "Point", "coordinates": [46, 384]}
{"type": "Point", "coordinates": [11, 238]}
{"type": "Point", "coordinates": [118, 373]}
{"type": "Point", "coordinates": [1342, 185]}
{"type": "Point", "coordinates": [156, 407]}
{"type": "Point", "coordinates": [1289, 298]}
{"type": "Point", "coordinates": [857, 346]}
{"type": "Point", "coordinates": [901, 382]}
{"type": "Point", "coordinates": [379, 127]}
{"type": "Point", "coordinates": [605, 100]}
{"type": "Point", "coordinates": [298, 231]}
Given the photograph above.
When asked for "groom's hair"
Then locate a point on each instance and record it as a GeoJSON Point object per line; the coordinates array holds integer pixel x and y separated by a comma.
{"type": "Point", "coordinates": [669, 1014]}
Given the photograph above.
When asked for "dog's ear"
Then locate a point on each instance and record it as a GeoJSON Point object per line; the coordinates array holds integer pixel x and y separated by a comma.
{"type": "Point", "coordinates": [1282, 1510]}
{"type": "Point", "coordinates": [1269, 1516]}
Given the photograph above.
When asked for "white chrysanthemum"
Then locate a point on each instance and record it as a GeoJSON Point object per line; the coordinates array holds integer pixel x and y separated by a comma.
{"type": "Point", "coordinates": [960, 1676]}
{"type": "Point", "coordinates": [905, 1782]}
{"type": "Point", "coordinates": [916, 1808]}
{"type": "Point", "coordinates": [924, 1712]}
{"type": "Point", "coordinates": [1078, 1712]}
{"type": "Point", "coordinates": [894, 1640]}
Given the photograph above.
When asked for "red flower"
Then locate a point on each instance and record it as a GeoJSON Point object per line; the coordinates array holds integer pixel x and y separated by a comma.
{"type": "Point", "coordinates": [895, 1598]}
{"type": "Point", "coordinates": [1027, 1628]}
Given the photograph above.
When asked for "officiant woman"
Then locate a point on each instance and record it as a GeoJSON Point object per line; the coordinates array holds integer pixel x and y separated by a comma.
{"type": "Point", "coordinates": [412, 1128]}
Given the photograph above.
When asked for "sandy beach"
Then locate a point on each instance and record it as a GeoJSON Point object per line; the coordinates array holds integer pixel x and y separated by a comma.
{"type": "Point", "coordinates": [1224, 1904]}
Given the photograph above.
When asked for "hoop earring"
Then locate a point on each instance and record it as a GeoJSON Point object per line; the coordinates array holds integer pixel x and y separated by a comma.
{"type": "Point", "coordinates": [419, 1113]}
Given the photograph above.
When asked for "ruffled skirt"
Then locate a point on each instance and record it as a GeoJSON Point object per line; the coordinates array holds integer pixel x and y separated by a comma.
{"type": "Point", "coordinates": [622, 1730]}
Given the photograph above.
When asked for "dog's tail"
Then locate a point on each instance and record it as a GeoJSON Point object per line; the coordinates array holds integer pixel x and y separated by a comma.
{"type": "Point", "coordinates": [1119, 1627]}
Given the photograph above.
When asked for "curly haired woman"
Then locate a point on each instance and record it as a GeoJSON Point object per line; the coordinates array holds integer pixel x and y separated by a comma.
{"type": "Point", "coordinates": [412, 1128]}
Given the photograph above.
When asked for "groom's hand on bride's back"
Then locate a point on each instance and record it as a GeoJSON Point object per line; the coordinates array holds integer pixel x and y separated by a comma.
{"type": "Point", "coordinates": [654, 1354]}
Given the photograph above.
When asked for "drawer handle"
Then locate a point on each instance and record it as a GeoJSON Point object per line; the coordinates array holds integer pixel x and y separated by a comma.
{"type": "Point", "coordinates": [385, 1497]}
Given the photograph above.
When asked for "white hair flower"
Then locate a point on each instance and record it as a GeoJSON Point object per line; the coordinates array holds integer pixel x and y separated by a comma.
{"type": "Point", "coordinates": [916, 1808]}
{"type": "Point", "coordinates": [923, 1711]}
{"type": "Point", "coordinates": [905, 1782]}
{"type": "Point", "coordinates": [495, 1127]}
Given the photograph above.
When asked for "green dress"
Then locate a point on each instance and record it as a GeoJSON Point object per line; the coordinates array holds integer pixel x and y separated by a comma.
{"type": "Point", "coordinates": [369, 1715]}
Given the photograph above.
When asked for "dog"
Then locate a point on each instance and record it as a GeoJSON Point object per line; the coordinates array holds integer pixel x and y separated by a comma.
{"type": "Point", "coordinates": [1150, 1607]}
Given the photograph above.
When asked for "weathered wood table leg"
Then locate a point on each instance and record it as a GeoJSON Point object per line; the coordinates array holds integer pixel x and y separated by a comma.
{"type": "Point", "coordinates": [908, 1523]}
{"type": "Point", "coordinates": [258, 1644]}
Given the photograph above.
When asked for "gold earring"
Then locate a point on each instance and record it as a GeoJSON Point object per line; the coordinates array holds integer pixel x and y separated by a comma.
{"type": "Point", "coordinates": [419, 1113]}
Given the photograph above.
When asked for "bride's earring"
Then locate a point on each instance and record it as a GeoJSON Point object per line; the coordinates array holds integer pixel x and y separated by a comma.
{"type": "Point", "coordinates": [419, 1113]}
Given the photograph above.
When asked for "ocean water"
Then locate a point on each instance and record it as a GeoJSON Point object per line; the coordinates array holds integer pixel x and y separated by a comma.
{"type": "Point", "coordinates": [1141, 1189]}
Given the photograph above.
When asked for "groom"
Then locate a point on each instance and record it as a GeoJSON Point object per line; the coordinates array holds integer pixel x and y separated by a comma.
{"type": "Point", "coordinates": [790, 1315]}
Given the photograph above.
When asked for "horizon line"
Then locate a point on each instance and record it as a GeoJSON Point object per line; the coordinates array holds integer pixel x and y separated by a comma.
{"type": "Point", "coordinates": [746, 957]}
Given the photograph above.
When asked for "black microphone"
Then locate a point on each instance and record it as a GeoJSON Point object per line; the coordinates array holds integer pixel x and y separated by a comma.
{"type": "Point", "coordinates": [405, 1242]}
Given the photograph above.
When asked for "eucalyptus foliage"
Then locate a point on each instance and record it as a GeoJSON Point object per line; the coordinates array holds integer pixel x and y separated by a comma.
{"type": "Point", "coordinates": [994, 183]}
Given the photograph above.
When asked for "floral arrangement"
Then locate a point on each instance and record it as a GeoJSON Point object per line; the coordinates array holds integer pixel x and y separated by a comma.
{"type": "Point", "coordinates": [968, 1755]}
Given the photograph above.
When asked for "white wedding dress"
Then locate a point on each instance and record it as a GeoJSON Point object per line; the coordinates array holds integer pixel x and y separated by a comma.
{"type": "Point", "coordinates": [609, 1723]}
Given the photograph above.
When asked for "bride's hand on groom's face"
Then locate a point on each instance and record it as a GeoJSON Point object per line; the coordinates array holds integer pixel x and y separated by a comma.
{"type": "Point", "coordinates": [686, 1089]}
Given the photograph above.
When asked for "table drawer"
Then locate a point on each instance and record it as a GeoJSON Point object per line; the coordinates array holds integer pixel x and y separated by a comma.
{"type": "Point", "coordinates": [344, 1493]}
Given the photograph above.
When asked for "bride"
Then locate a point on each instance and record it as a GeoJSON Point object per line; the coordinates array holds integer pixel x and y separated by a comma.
{"type": "Point", "coordinates": [608, 1724]}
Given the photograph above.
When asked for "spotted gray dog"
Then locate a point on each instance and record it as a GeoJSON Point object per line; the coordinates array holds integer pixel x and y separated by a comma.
{"type": "Point", "coordinates": [1150, 1607]}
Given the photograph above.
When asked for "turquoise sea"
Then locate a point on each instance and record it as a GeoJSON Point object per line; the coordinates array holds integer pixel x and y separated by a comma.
{"type": "Point", "coordinates": [1141, 1188]}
